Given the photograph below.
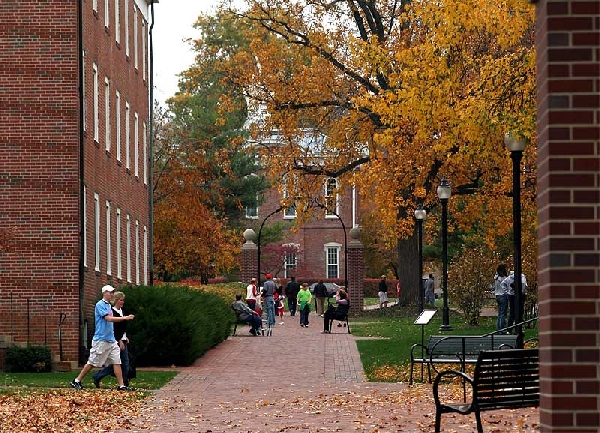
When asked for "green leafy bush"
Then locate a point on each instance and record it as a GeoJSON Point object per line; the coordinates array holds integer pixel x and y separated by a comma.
{"type": "Point", "coordinates": [174, 325]}
{"type": "Point", "coordinates": [32, 359]}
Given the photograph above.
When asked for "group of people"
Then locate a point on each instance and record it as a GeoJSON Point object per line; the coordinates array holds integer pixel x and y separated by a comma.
{"type": "Point", "coordinates": [504, 290]}
{"type": "Point", "coordinates": [299, 298]}
{"type": "Point", "coordinates": [110, 344]}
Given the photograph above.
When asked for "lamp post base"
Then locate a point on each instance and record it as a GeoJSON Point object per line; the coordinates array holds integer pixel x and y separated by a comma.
{"type": "Point", "coordinates": [445, 320]}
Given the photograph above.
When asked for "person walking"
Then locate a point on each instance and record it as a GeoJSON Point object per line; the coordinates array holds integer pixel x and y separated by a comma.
{"type": "Point", "coordinates": [430, 291]}
{"type": "Point", "coordinates": [120, 329]}
{"type": "Point", "coordinates": [383, 298]}
{"type": "Point", "coordinates": [251, 294]}
{"type": "Point", "coordinates": [304, 299]}
{"type": "Point", "coordinates": [269, 289]}
{"type": "Point", "coordinates": [320, 293]}
{"type": "Point", "coordinates": [509, 286]}
{"type": "Point", "coordinates": [105, 349]}
{"type": "Point", "coordinates": [501, 293]}
{"type": "Point", "coordinates": [291, 292]}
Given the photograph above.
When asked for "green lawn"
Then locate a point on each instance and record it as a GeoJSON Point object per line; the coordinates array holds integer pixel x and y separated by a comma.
{"type": "Point", "coordinates": [386, 357]}
{"type": "Point", "coordinates": [146, 380]}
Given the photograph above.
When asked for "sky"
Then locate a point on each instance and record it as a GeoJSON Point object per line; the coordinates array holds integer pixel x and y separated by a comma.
{"type": "Point", "coordinates": [173, 21]}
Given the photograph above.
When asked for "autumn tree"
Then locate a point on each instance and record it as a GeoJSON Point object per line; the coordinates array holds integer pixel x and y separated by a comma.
{"type": "Point", "coordinates": [405, 92]}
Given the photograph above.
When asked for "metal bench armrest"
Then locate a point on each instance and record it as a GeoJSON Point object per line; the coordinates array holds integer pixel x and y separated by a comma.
{"type": "Point", "coordinates": [455, 373]}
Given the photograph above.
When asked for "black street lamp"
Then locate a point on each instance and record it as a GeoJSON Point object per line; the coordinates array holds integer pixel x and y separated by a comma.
{"type": "Point", "coordinates": [420, 215]}
{"type": "Point", "coordinates": [279, 209]}
{"type": "Point", "coordinates": [444, 191]}
{"type": "Point", "coordinates": [516, 146]}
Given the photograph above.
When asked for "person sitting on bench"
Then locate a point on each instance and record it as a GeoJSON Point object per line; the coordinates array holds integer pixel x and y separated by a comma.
{"type": "Point", "coordinates": [339, 313]}
{"type": "Point", "coordinates": [247, 315]}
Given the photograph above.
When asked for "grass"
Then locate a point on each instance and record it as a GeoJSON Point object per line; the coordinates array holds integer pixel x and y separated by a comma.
{"type": "Point", "coordinates": [386, 355]}
{"type": "Point", "coordinates": [145, 380]}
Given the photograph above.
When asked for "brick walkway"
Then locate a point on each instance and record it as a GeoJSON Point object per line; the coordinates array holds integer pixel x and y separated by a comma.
{"type": "Point", "coordinates": [299, 380]}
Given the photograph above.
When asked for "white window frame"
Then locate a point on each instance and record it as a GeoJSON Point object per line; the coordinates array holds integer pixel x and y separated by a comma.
{"type": "Point", "coordinates": [97, 231]}
{"type": "Point", "coordinates": [118, 239]}
{"type": "Point", "coordinates": [252, 211]}
{"type": "Point", "coordinates": [137, 252]}
{"type": "Point", "coordinates": [95, 107]}
{"type": "Point", "coordinates": [335, 248]}
{"type": "Point", "coordinates": [106, 14]}
{"type": "Point", "coordinates": [127, 134]}
{"type": "Point", "coordinates": [95, 5]}
{"type": "Point", "coordinates": [144, 27]}
{"type": "Point", "coordinates": [293, 263]}
{"type": "Point", "coordinates": [135, 37]}
{"type": "Point", "coordinates": [128, 252]}
{"type": "Point", "coordinates": [136, 141]}
{"type": "Point", "coordinates": [117, 22]}
{"type": "Point", "coordinates": [145, 152]}
{"type": "Point", "coordinates": [108, 240]}
{"type": "Point", "coordinates": [145, 256]}
{"type": "Point", "coordinates": [84, 210]}
{"type": "Point", "coordinates": [118, 125]}
{"type": "Point", "coordinates": [107, 112]}
{"type": "Point", "coordinates": [331, 195]}
{"type": "Point", "coordinates": [126, 6]}
{"type": "Point", "coordinates": [84, 94]}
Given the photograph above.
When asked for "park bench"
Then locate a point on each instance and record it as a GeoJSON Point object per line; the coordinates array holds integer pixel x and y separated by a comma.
{"type": "Point", "coordinates": [503, 379]}
{"type": "Point", "coordinates": [456, 349]}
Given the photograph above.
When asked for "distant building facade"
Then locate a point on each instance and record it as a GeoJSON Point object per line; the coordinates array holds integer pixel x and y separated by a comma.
{"type": "Point", "coordinates": [74, 164]}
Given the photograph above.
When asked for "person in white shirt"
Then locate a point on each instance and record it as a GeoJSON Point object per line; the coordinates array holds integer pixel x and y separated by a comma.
{"type": "Point", "coordinates": [251, 294]}
{"type": "Point", "coordinates": [509, 286]}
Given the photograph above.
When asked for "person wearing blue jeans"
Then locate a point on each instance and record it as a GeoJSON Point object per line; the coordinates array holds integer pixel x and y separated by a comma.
{"type": "Point", "coordinates": [121, 337]}
{"type": "Point", "coordinates": [269, 289]}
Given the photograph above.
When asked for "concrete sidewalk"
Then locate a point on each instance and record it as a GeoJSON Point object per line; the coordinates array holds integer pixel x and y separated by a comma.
{"type": "Point", "coordinates": [299, 380]}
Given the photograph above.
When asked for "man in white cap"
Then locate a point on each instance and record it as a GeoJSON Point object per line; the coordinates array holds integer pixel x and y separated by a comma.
{"type": "Point", "coordinates": [105, 349]}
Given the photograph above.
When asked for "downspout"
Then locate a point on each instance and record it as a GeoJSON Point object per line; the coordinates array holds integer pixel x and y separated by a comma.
{"type": "Point", "coordinates": [151, 155]}
{"type": "Point", "coordinates": [80, 49]}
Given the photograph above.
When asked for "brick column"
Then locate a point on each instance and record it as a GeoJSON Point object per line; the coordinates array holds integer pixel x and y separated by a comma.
{"type": "Point", "coordinates": [356, 272]}
{"type": "Point", "coordinates": [568, 102]}
{"type": "Point", "coordinates": [249, 259]}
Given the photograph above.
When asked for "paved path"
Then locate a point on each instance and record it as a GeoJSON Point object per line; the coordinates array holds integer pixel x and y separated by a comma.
{"type": "Point", "coordinates": [298, 380]}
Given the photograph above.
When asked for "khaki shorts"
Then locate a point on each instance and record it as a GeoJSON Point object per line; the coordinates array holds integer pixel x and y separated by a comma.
{"type": "Point", "coordinates": [383, 297]}
{"type": "Point", "coordinates": [104, 353]}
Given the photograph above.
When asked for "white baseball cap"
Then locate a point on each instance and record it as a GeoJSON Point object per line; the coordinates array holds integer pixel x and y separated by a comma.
{"type": "Point", "coordinates": [107, 288]}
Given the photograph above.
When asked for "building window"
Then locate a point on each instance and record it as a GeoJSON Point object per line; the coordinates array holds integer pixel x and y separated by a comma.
{"type": "Point", "coordinates": [137, 252]}
{"type": "Point", "coordinates": [97, 230]}
{"type": "Point", "coordinates": [127, 133]}
{"type": "Point", "coordinates": [126, 6]}
{"type": "Point", "coordinates": [144, 26]}
{"type": "Point", "coordinates": [331, 198]}
{"type": "Point", "coordinates": [135, 37]}
{"type": "Point", "coordinates": [290, 261]}
{"type": "Point", "coordinates": [136, 141]}
{"type": "Point", "coordinates": [108, 243]}
{"type": "Point", "coordinates": [145, 255]}
{"type": "Point", "coordinates": [85, 226]}
{"type": "Point", "coordinates": [332, 253]}
{"type": "Point", "coordinates": [106, 14]}
{"type": "Point", "coordinates": [107, 113]}
{"type": "Point", "coordinates": [145, 132]}
{"type": "Point", "coordinates": [118, 236]}
{"type": "Point", "coordinates": [128, 252]}
{"type": "Point", "coordinates": [118, 126]}
{"type": "Point", "coordinates": [95, 107]}
{"type": "Point", "coordinates": [84, 94]}
{"type": "Point", "coordinates": [95, 5]}
{"type": "Point", "coordinates": [117, 21]}
{"type": "Point", "coordinates": [252, 209]}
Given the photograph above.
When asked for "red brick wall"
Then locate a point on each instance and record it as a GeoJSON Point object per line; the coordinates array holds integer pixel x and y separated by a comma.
{"type": "Point", "coordinates": [39, 164]}
{"type": "Point", "coordinates": [569, 214]}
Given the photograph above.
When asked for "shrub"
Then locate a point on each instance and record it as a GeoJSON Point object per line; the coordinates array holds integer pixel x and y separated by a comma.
{"type": "Point", "coordinates": [175, 325]}
{"type": "Point", "coordinates": [32, 359]}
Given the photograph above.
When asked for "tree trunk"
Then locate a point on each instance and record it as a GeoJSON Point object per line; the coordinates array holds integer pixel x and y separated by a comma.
{"type": "Point", "coordinates": [408, 271]}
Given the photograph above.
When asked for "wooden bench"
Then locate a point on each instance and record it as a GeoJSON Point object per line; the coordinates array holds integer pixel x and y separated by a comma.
{"type": "Point", "coordinates": [503, 379]}
{"type": "Point", "coordinates": [456, 349]}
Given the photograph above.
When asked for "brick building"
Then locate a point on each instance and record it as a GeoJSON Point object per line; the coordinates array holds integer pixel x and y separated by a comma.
{"type": "Point", "coordinates": [74, 163]}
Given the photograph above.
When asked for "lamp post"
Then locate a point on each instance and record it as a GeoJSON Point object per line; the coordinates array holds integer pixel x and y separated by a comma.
{"type": "Point", "coordinates": [420, 215]}
{"type": "Point", "coordinates": [516, 146]}
{"type": "Point", "coordinates": [279, 209]}
{"type": "Point", "coordinates": [444, 191]}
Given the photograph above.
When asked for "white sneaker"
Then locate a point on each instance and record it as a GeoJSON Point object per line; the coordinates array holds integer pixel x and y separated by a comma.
{"type": "Point", "coordinates": [281, 323]}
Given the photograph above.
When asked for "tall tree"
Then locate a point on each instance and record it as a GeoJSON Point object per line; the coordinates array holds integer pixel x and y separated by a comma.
{"type": "Point", "coordinates": [405, 92]}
